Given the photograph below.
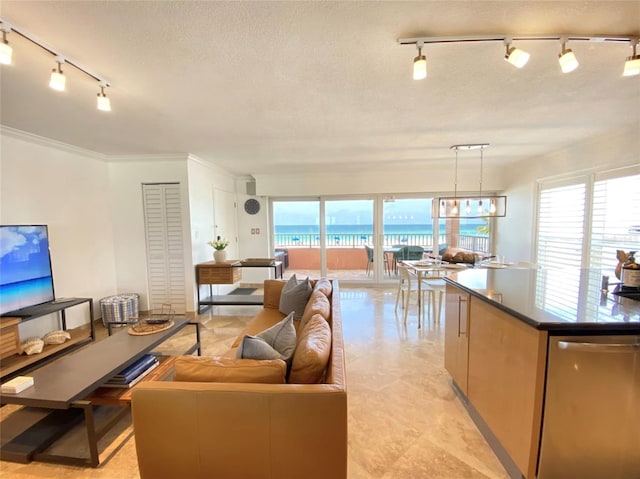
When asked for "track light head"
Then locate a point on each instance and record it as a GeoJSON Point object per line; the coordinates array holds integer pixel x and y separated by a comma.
{"type": "Point", "coordinates": [58, 80]}
{"type": "Point", "coordinates": [419, 65]}
{"type": "Point", "coordinates": [567, 59]}
{"type": "Point", "coordinates": [515, 56]}
{"type": "Point", "coordinates": [104, 103]}
{"type": "Point", "coordinates": [632, 65]}
{"type": "Point", "coordinates": [6, 52]}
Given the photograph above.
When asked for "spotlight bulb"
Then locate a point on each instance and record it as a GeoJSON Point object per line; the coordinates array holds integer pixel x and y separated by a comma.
{"type": "Point", "coordinates": [568, 61]}
{"type": "Point", "coordinates": [516, 57]}
{"type": "Point", "coordinates": [6, 53]}
{"type": "Point", "coordinates": [58, 79]}
{"type": "Point", "coordinates": [632, 66]}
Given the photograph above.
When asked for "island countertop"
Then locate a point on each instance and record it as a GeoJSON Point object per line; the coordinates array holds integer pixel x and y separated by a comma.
{"type": "Point", "coordinates": [552, 299]}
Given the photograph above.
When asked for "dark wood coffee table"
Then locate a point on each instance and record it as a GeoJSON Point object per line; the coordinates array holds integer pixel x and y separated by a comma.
{"type": "Point", "coordinates": [66, 387]}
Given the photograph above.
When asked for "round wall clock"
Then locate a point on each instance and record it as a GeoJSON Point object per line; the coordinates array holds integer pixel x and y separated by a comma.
{"type": "Point", "coordinates": [252, 206]}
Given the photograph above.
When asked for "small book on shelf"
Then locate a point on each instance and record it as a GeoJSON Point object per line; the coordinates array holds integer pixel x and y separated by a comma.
{"type": "Point", "coordinates": [118, 384]}
{"type": "Point", "coordinates": [134, 370]}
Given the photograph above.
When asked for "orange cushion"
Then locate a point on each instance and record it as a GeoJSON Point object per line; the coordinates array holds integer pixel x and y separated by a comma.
{"type": "Point", "coordinates": [311, 356]}
{"type": "Point", "coordinates": [226, 370]}
{"type": "Point", "coordinates": [272, 292]}
{"type": "Point", "coordinates": [318, 304]}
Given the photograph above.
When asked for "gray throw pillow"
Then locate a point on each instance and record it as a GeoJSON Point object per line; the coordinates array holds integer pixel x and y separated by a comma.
{"type": "Point", "coordinates": [294, 297]}
{"type": "Point", "coordinates": [253, 347]}
{"type": "Point", "coordinates": [277, 342]}
{"type": "Point", "coordinates": [281, 337]}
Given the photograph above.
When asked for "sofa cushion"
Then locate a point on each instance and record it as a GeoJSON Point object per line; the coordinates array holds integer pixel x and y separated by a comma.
{"type": "Point", "coordinates": [226, 370]}
{"type": "Point", "coordinates": [265, 318]}
{"type": "Point", "coordinates": [294, 296]}
{"type": "Point", "coordinates": [318, 304]}
{"type": "Point", "coordinates": [280, 338]}
{"type": "Point", "coordinates": [312, 353]}
{"type": "Point", "coordinates": [323, 285]}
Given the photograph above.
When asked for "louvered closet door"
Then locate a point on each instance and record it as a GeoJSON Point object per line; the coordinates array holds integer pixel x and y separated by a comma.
{"type": "Point", "coordinates": [165, 249]}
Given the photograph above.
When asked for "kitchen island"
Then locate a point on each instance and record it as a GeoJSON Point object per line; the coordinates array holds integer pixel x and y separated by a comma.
{"type": "Point", "coordinates": [531, 352]}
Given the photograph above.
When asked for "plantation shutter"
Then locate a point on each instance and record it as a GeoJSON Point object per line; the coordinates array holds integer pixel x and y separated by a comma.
{"type": "Point", "coordinates": [561, 219]}
{"type": "Point", "coordinates": [165, 250]}
{"type": "Point", "coordinates": [615, 220]}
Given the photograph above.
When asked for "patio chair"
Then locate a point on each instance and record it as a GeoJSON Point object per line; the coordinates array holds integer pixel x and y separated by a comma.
{"type": "Point", "coordinates": [369, 250]}
{"type": "Point", "coordinates": [414, 253]}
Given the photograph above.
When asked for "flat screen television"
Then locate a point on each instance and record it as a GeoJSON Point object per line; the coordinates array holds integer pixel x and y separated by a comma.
{"type": "Point", "coordinates": [26, 278]}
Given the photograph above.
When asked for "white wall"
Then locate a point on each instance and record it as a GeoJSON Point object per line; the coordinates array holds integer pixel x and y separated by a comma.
{"type": "Point", "coordinates": [45, 182]}
{"type": "Point", "coordinates": [257, 245]}
{"type": "Point", "coordinates": [383, 180]}
{"type": "Point", "coordinates": [126, 176]}
{"type": "Point", "coordinates": [516, 232]}
{"type": "Point", "coordinates": [203, 179]}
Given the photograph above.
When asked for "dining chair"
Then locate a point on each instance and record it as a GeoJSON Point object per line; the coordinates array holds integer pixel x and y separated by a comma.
{"type": "Point", "coordinates": [406, 286]}
{"type": "Point", "coordinates": [433, 286]}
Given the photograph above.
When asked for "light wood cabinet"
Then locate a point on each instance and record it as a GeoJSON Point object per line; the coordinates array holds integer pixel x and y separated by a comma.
{"type": "Point", "coordinates": [456, 335]}
{"type": "Point", "coordinates": [506, 375]}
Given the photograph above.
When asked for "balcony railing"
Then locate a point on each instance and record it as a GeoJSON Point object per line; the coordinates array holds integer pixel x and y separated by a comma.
{"type": "Point", "coordinates": [471, 242]}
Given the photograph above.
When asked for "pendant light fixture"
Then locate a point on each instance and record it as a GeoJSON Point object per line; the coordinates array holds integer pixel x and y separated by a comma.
{"type": "Point", "coordinates": [449, 206]}
{"type": "Point", "coordinates": [419, 64]}
{"type": "Point", "coordinates": [567, 59]}
{"type": "Point", "coordinates": [632, 65]}
{"type": "Point", "coordinates": [58, 80]}
{"type": "Point", "coordinates": [518, 58]}
{"type": "Point", "coordinates": [6, 52]}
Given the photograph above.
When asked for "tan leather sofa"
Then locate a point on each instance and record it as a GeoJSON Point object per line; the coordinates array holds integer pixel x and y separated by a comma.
{"type": "Point", "coordinates": [243, 430]}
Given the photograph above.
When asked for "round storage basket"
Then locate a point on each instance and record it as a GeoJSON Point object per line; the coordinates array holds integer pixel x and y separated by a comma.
{"type": "Point", "coordinates": [119, 308]}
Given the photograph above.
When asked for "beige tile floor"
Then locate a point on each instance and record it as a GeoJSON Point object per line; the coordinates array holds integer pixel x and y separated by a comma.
{"type": "Point", "coordinates": [404, 419]}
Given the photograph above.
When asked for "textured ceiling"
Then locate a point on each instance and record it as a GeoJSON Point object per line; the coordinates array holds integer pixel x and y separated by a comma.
{"type": "Point", "coordinates": [259, 87]}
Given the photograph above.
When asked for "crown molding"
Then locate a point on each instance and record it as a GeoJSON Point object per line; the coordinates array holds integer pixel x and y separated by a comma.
{"type": "Point", "coordinates": [48, 142]}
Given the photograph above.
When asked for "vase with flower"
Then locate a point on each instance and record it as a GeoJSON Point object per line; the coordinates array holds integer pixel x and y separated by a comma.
{"type": "Point", "coordinates": [219, 245]}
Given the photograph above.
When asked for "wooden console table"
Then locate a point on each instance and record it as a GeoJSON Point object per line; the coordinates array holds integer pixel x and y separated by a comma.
{"type": "Point", "coordinates": [230, 272]}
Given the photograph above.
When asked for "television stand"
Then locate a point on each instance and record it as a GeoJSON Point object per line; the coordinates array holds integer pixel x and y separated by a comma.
{"type": "Point", "coordinates": [18, 364]}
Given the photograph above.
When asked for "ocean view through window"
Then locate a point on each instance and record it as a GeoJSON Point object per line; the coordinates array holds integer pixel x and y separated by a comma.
{"type": "Point", "coordinates": [340, 236]}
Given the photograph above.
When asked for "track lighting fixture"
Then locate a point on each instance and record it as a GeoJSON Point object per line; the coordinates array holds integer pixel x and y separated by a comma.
{"type": "Point", "coordinates": [632, 65]}
{"type": "Point", "coordinates": [567, 59]}
{"type": "Point", "coordinates": [57, 80]}
{"type": "Point", "coordinates": [518, 58]}
{"type": "Point", "coordinates": [419, 64]}
{"type": "Point", "coordinates": [449, 205]}
{"type": "Point", "coordinates": [104, 104]}
{"type": "Point", "coordinates": [6, 51]}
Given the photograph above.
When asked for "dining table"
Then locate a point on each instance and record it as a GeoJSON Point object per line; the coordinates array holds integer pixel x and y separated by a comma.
{"type": "Point", "coordinates": [431, 270]}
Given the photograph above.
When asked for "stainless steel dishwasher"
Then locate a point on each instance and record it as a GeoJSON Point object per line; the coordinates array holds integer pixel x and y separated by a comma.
{"type": "Point", "coordinates": [591, 423]}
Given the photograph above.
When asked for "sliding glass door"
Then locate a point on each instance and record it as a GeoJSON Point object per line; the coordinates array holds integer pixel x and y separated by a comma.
{"type": "Point", "coordinates": [296, 238]}
{"type": "Point", "coordinates": [349, 239]}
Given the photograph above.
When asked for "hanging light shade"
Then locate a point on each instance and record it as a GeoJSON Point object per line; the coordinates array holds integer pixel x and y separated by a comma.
{"type": "Point", "coordinates": [475, 206]}
{"type": "Point", "coordinates": [58, 80]}
{"type": "Point", "coordinates": [420, 65]}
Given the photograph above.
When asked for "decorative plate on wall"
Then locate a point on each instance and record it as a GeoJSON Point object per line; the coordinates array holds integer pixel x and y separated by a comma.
{"type": "Point", "coordinates": [252, 206]}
